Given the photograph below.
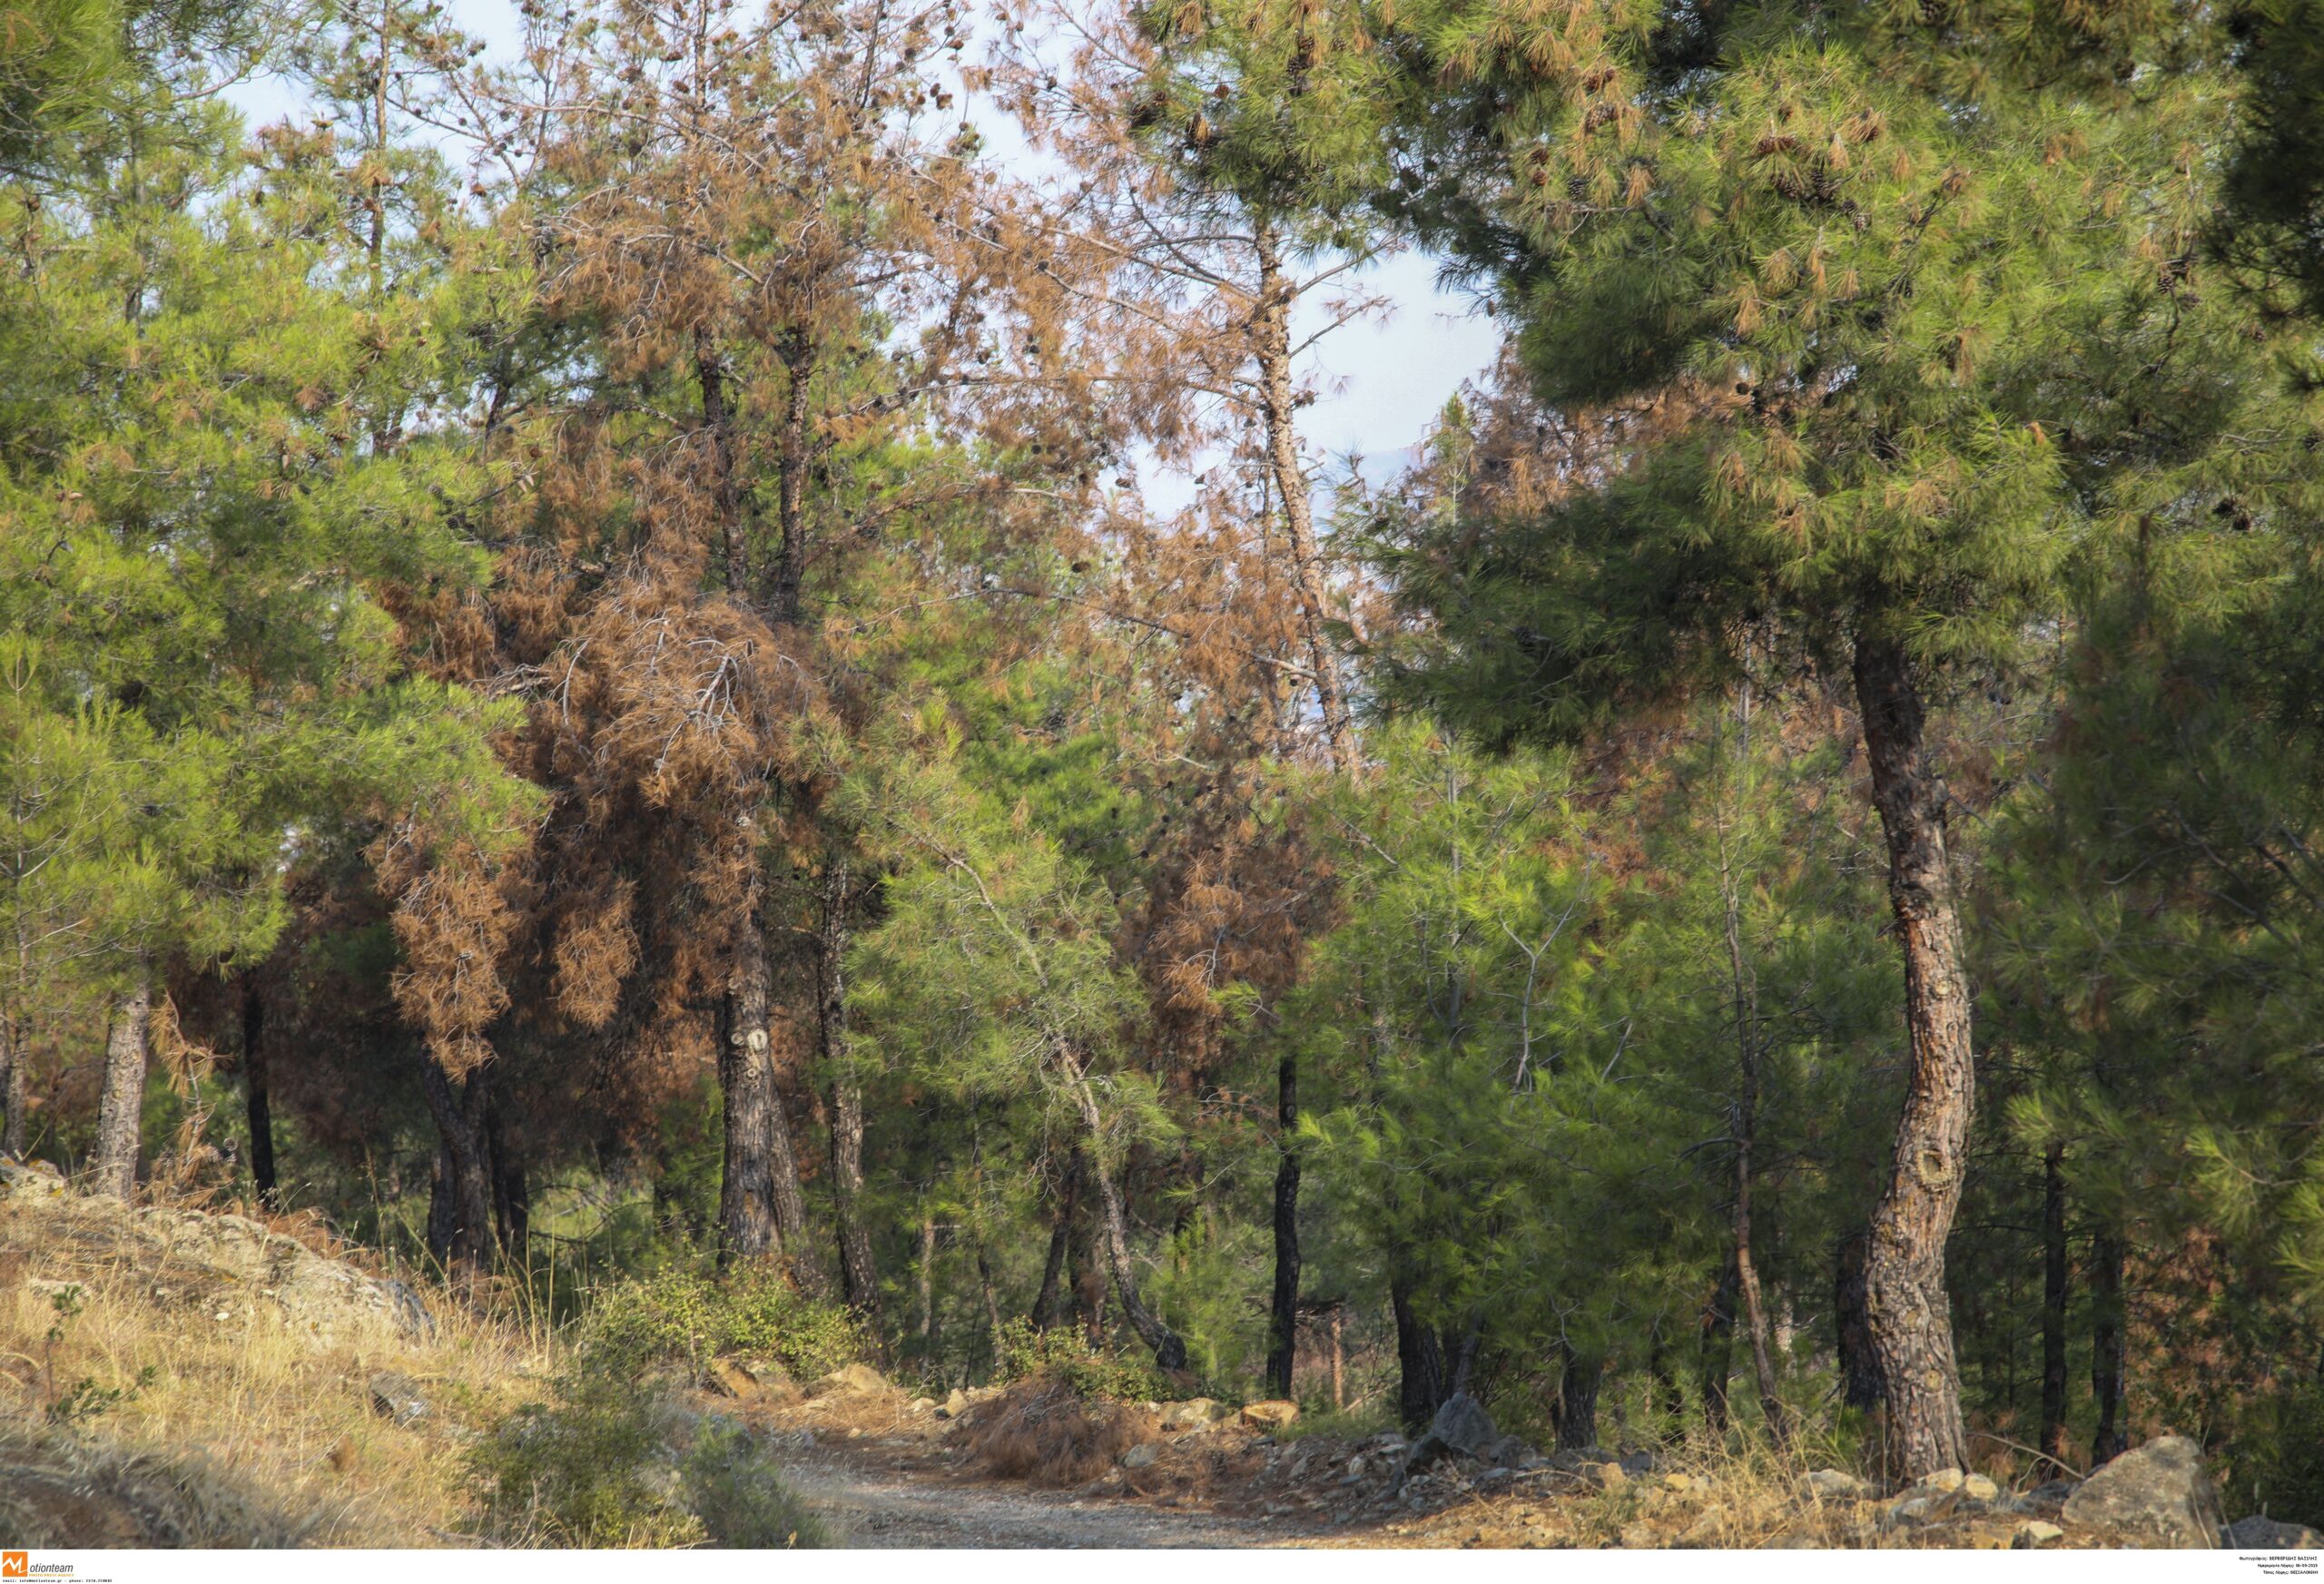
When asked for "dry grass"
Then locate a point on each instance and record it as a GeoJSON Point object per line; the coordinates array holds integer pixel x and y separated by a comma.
{"type": "Point", "coordinates": [1041, 1432]}
{"type": "Point", "coordinates": [158, 1383]}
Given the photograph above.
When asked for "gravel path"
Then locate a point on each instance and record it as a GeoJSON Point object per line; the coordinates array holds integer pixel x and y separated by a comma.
{"type": "Point", "coordinates": [877, 1508]}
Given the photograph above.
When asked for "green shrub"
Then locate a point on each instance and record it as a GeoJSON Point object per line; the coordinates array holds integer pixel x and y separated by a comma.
{"type": "Point", "coordinates": [680, 1317]}
{"type": "Point", "coordinates": [742, 1503]}
{"type": "Point", "coordinates": [1062, 1356]}
{"type": "Point", "coordinates": [584, 1473]}
{"type": "Point", "coordinates": [2288, 1465]}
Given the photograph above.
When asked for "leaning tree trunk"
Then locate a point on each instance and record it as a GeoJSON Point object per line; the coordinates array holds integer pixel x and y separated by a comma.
{"type": "Point", "coordinates": [1113, 1229]}
{"type": "Point", "coordinates": [121, 1104]}
{"type": "Point", "coordinates": [1283, 1350]}
{"type": "Point", "coordinates": [2053, 1439]}
{"type": "Point", "coordinates": [257, 1106]}
{"type": "Point", "coordinates": [859, 1277]}
{"type": "Point", "coordinates": [2110, 1440]}
{"type": "Point", "coordinates": [1912, 1324]}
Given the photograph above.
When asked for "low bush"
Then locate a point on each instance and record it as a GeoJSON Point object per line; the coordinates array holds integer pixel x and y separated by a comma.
{"type": "Point", "coordinates": [740, 1502]}
{"type": "Point", "coordinates": [680, 1317]}
{"type": "Point", "coordinates": [1061, 1356]}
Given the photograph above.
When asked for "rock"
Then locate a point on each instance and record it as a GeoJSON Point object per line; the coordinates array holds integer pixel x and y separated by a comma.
{"type": "Point", "coordinates": [1637, 1464]}
{"type": "Point", "coordinates": [1142, 1456]}
{"type": "Point", "coordinates": [1909, 1508]}
{"type": "Point", "coordinates": [1194, 1413]}
{"type": "Point", "coordinates": [30, 1182]}
{"type": "Point", "coordinates": [1944, 1482]}
{"type": "Point", "coordinates": [398, 1398]}
{"type": "Point", "coordinates": [1977, 1488]}
{"type": "Point", "coordinates": [1462, 1427]}
{"type": "Point", "coordinates": [1607, 1476]}
{"type": "Point", "coordinates": [955, 1404]}
{"type": "Point", "coordinates": [1512, 1452]}
{"type": "Point", "coordinates": [2158, 1492]}
{"type": "Point", "coordinates": [922, 1404]}
{"type": "Point", "coordinates": [2256, 1533]}
{"type": "Point", "coordinates": [2034, 1534]}
{"type": "Point", "coordinates": [1678, 1485]}
{"type": "Point", "coordinates": [858, 1380]}
{"type": "Point", "coordinates": [1834, 1485]}
{"type": "Point", "coordinates": [1706, 1529]}
{"type": "Point", "coordinates": [2048, 1498]}
{"type": "Point", "coordinates": [1270, 1415]}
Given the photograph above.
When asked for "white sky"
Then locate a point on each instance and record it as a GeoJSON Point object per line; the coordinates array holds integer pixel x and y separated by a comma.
{"type": "Point", "coordinates": [1378, 384]}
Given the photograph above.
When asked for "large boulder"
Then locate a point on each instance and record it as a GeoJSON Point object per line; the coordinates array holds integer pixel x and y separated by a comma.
{"type": "Point", "coordinates": [2256, 1533]}
{"type": "Point", "coordinates": [857, 1380]}
{"type": "Point", "coordinates": [1270, 1415]}
{"type": "Point", "coordinates": [1462, 1427]}
{"type": "Point", "coordinates": [2158, 1493]}
{"type": "Point", "coordinates": [30, 1183]}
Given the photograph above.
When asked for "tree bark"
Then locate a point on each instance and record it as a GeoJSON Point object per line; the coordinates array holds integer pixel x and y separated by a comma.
{"type": "Point", "coordinates": [1746, 1128]}
{"type": "Point", "coordinates": [753, 1110]}
{"type": "Point", "coordinates": [785, 599]}
{"type": "Point", "coordinates": [1113, 1227]}
{"type": "Point", "coordinates": [13, 1055]}
{"type": "Point", "coordinates": [1284, 1348]}
{"type": "Point", "coordinates": [462, 1215]}
{"type": "Point", "coordinates": [1048, 1301]}
{"type": "Point", "coordinates": [1912, 1324]}
{"type": "Point", "coordinates": [512, 1199]}
{"type": "Point", "coordinates": [1860, 1384]}
{"type": "Point", "coordinates": [1719, 1347]}
{"type": "Point", "coordinates": [121, 1104]}
{"type": "Point", "coordinates": [926, 1285]}
{"type": "Point", "coordinates": [1419, 1357]}
{"type": "Point", "coordinates": [257, 1107]}
{"type": "Point", "coordinates": [2107, 1382]}
{"type": "Point", "coordinates": [2053, 1305]}
{"type": "Point", "coordinates": [859, 1278]}
{"type": "Point", "coordinates": [1577, 1402]}
{"type": "Point", "coordinates": [1278, 407]}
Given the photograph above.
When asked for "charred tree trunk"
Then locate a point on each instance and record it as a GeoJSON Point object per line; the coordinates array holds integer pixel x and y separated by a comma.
{"type": "Point", "coordinates": [257, 1106]}
{"type": "Point", "coordinates": [512, 1200]}
{"type": "Point", "coordinates": [1577, 1402]}
{"type": "Point", "coordinates": [1719, 1347]}
{"type": "Point", "coordinates": [2053, 1305]}
{"type": "Point", "coordinates": [1912, 1324]}
{"type": "Point", "coordinates": [1283, 1347]}
{"type": "Point", "coordinates": [460, 1216]}
{"type": "Point", "coordinates": [2107, 1382]}
{"type": "Point", "coordinates": [121, 1103]}
{"type": "Point", "coordinates": [1419, 1358]}
{"type": "Point", "coordinates": [1860, 1384]}
{"type": "Point", "coordinates": [1048, 1303]}
{"type": "Point", "coordinates": [859, 1278]}
{"type": "Point", "coordinates": [13, 1056]}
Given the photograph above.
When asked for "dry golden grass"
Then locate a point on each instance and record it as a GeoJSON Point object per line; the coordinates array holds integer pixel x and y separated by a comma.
{"type": "Point", "coordinates": [207, 1390]}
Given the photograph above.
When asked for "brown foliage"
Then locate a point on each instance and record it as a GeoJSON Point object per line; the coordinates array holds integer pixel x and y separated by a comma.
{"type": "Point", "coordinates": [1042, 1432]}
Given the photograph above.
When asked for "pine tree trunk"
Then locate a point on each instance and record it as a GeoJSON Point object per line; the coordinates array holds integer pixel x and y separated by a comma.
{"type": "Point", "coordinates": [121, 1104]}
{"type": "Point", "coordinates": [1860, 1384]}
{"type": "Point", "coordinates": [1278, 403]}
{"type": "Point", "coordinates": [991, 1301]}
{"type": "Point", "coordinates": [258, 1107]}
{"type": "Point", "coordinates": [1419, 1357]}
{"type": "Point", "coordinates": [2053, 1305]}
{"type": "Point", "coordinates": [926, 1285]}
{"type": "Point", "coordinates": [13, 1060]}
{"type": "Point", "coordinates": [512, 1201]}
{"type": "Point", "coordinates": [1719, 1347]}
{"type": "Point", "coordinates": [1577, 1402]}
{"type": "Point", "coordinates": [859, 1278]}
{"type": "Point", "coordinates": [785, 599]}
{"type": "Point", "coordinates": [753, 1110]}
{"type": "Point", "coordinates": [1912, 1325]}
{"type": "Point", "coordinates": [1283, 1350]}
{"type": "Point", "coordinates": [460, 1218]}
{"type": "Point", "coordinates": [2107, 1376]}
{"type": "Point", "coordinates": [1048, 1301]}
{"type": "Point", "coordinates": [1113, 1229]}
